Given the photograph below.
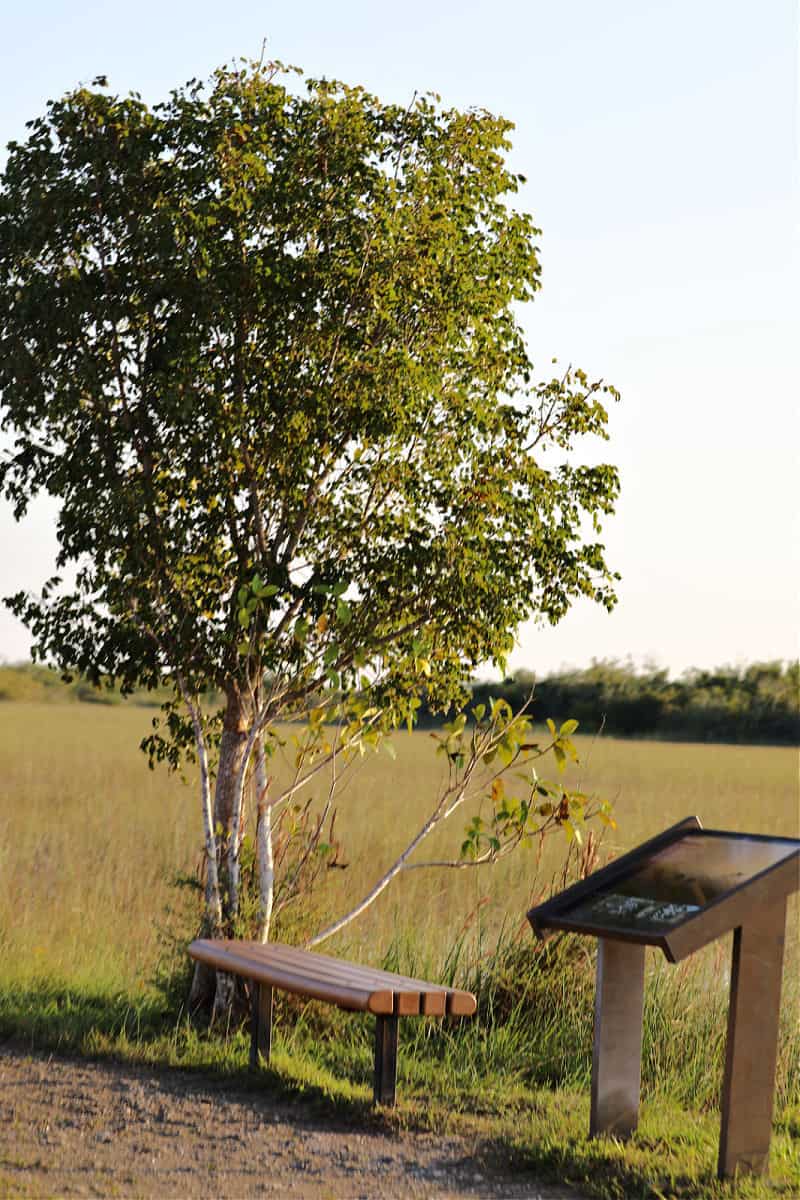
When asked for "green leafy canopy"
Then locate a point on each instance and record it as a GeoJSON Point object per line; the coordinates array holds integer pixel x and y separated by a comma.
{"type": "Point", "coordinates": [262, 345]}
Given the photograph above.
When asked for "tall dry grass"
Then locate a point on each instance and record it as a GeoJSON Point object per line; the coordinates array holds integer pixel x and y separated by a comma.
{"type": "Point", "coordinates": [90, 839]}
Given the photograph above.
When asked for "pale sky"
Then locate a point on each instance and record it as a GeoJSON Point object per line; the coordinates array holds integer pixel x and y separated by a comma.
{"type": "Point", "coordinates": [660, 142]}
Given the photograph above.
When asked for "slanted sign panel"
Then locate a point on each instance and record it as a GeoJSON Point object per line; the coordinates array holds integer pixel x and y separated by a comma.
{"type": "Point", "coordinates": [679, 881]}
{"type": "Point", "coordinates": [688, 879]}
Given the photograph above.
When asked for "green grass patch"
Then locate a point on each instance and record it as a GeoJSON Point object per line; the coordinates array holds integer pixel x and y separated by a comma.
{"type": "Point", "coordinates": [672, 1155]}
{"type": "Point", "coordinates": [514, 1080]}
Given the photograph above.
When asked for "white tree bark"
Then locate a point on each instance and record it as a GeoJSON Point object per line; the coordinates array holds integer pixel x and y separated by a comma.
{"type": "Point", "coordinates": [223, 998]}
{"type": "Point", "coordinates": [264, 856]}
{"type": "Point", "coordinates": [203, 975]}
{"type": "Point", "coordinates": [254, 742]}
{"type": "Point", "coordinates": [238, 739]}
{"type": "Point", "coordinates": [212, 894]}
{"type": "Point", "coordinates": [213, 899]}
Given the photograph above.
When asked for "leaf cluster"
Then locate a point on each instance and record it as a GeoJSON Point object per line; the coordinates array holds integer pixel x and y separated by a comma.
{"type": "Point", "coordinates": [519, 808]}
{"type": "Point", "coordinates": [262, 345]}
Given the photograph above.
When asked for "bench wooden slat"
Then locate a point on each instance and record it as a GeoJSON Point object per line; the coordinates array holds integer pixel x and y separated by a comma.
{"type": "Point", "coordinates": [306, 963]}
{"type": "Point", "coordinates": [435, 1000]}
{"type": "Point", "coordinates": [433, 996]}
{"type": "Point", "coordinates": [350, 996]}
{"type": "Point", "coordinates": [347, 994]}
{"type": "Point", "coordinates": [309, 960]}
{"type": "Point", "coordinates": [460, 1004]}
{"type": "Point", "coordinates": [412, 996]}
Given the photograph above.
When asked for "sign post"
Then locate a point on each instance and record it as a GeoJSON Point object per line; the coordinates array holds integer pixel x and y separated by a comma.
{"type": "Point", "coordinates": [679, 891]}
{"type": "Point", "coordinates": [617, 1054]}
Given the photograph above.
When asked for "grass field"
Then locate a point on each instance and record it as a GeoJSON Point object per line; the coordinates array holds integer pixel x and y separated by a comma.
{"type": "Point", "coordinates": [91, 840]}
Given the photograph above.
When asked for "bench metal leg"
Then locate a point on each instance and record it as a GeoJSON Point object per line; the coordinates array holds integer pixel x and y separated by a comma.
{"type": "Point", "coordinates": [386, 1030]}
{"type": "Point", "coordinates": [260, 1024]}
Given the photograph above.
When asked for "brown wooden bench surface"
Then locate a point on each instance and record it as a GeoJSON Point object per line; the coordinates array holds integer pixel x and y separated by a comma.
{"type": "Point", "coordinates": [321, 977]}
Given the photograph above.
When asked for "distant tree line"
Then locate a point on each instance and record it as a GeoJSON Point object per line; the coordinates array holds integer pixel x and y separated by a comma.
{"type": "Point", "coordinates": [755, 703]}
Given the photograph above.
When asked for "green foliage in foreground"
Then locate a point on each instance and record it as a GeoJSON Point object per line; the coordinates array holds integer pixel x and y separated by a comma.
{"type": "Point", "coordinates": [515, 1080]}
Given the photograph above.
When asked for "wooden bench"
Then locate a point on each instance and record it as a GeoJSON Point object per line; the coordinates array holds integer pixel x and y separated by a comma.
{"type": "Point", "coordinates": [320, 977]}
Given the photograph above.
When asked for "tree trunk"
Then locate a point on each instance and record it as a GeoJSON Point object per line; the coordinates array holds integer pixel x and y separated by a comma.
{"type": "Point", "coordinates": [264, 858]}
{"type": "Point", "coordinates": [233, 745]}
{"type": "Point", "coordinates": [202, 988]}
{"type": "Point", "coordinates": [235, 725]}
{"type": "Point", "coordinates": [232, 749]}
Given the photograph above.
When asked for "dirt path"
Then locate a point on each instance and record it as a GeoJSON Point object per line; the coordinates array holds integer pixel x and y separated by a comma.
{"type": "Point", "coordinates": [78, 1128]}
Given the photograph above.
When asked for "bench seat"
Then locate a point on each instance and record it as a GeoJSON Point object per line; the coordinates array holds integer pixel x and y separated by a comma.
{"type": "Point", "coordinates": [347, 985]}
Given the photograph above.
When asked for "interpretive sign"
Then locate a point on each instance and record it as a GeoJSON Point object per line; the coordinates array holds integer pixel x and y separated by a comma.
{"type": "Point", "coordinates": [678, 892]}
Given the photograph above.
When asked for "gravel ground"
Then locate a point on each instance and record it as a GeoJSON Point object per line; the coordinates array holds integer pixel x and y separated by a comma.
{"type": "Point", "coordinates": [79, 1128]}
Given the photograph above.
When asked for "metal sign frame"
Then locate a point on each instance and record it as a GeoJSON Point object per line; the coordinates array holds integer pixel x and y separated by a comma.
{"type": "Point", "coordinates": [755, 910]}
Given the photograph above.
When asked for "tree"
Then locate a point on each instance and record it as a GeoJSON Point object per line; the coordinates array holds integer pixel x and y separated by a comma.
{"type": "Point", "coordinates": [263, 347]}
